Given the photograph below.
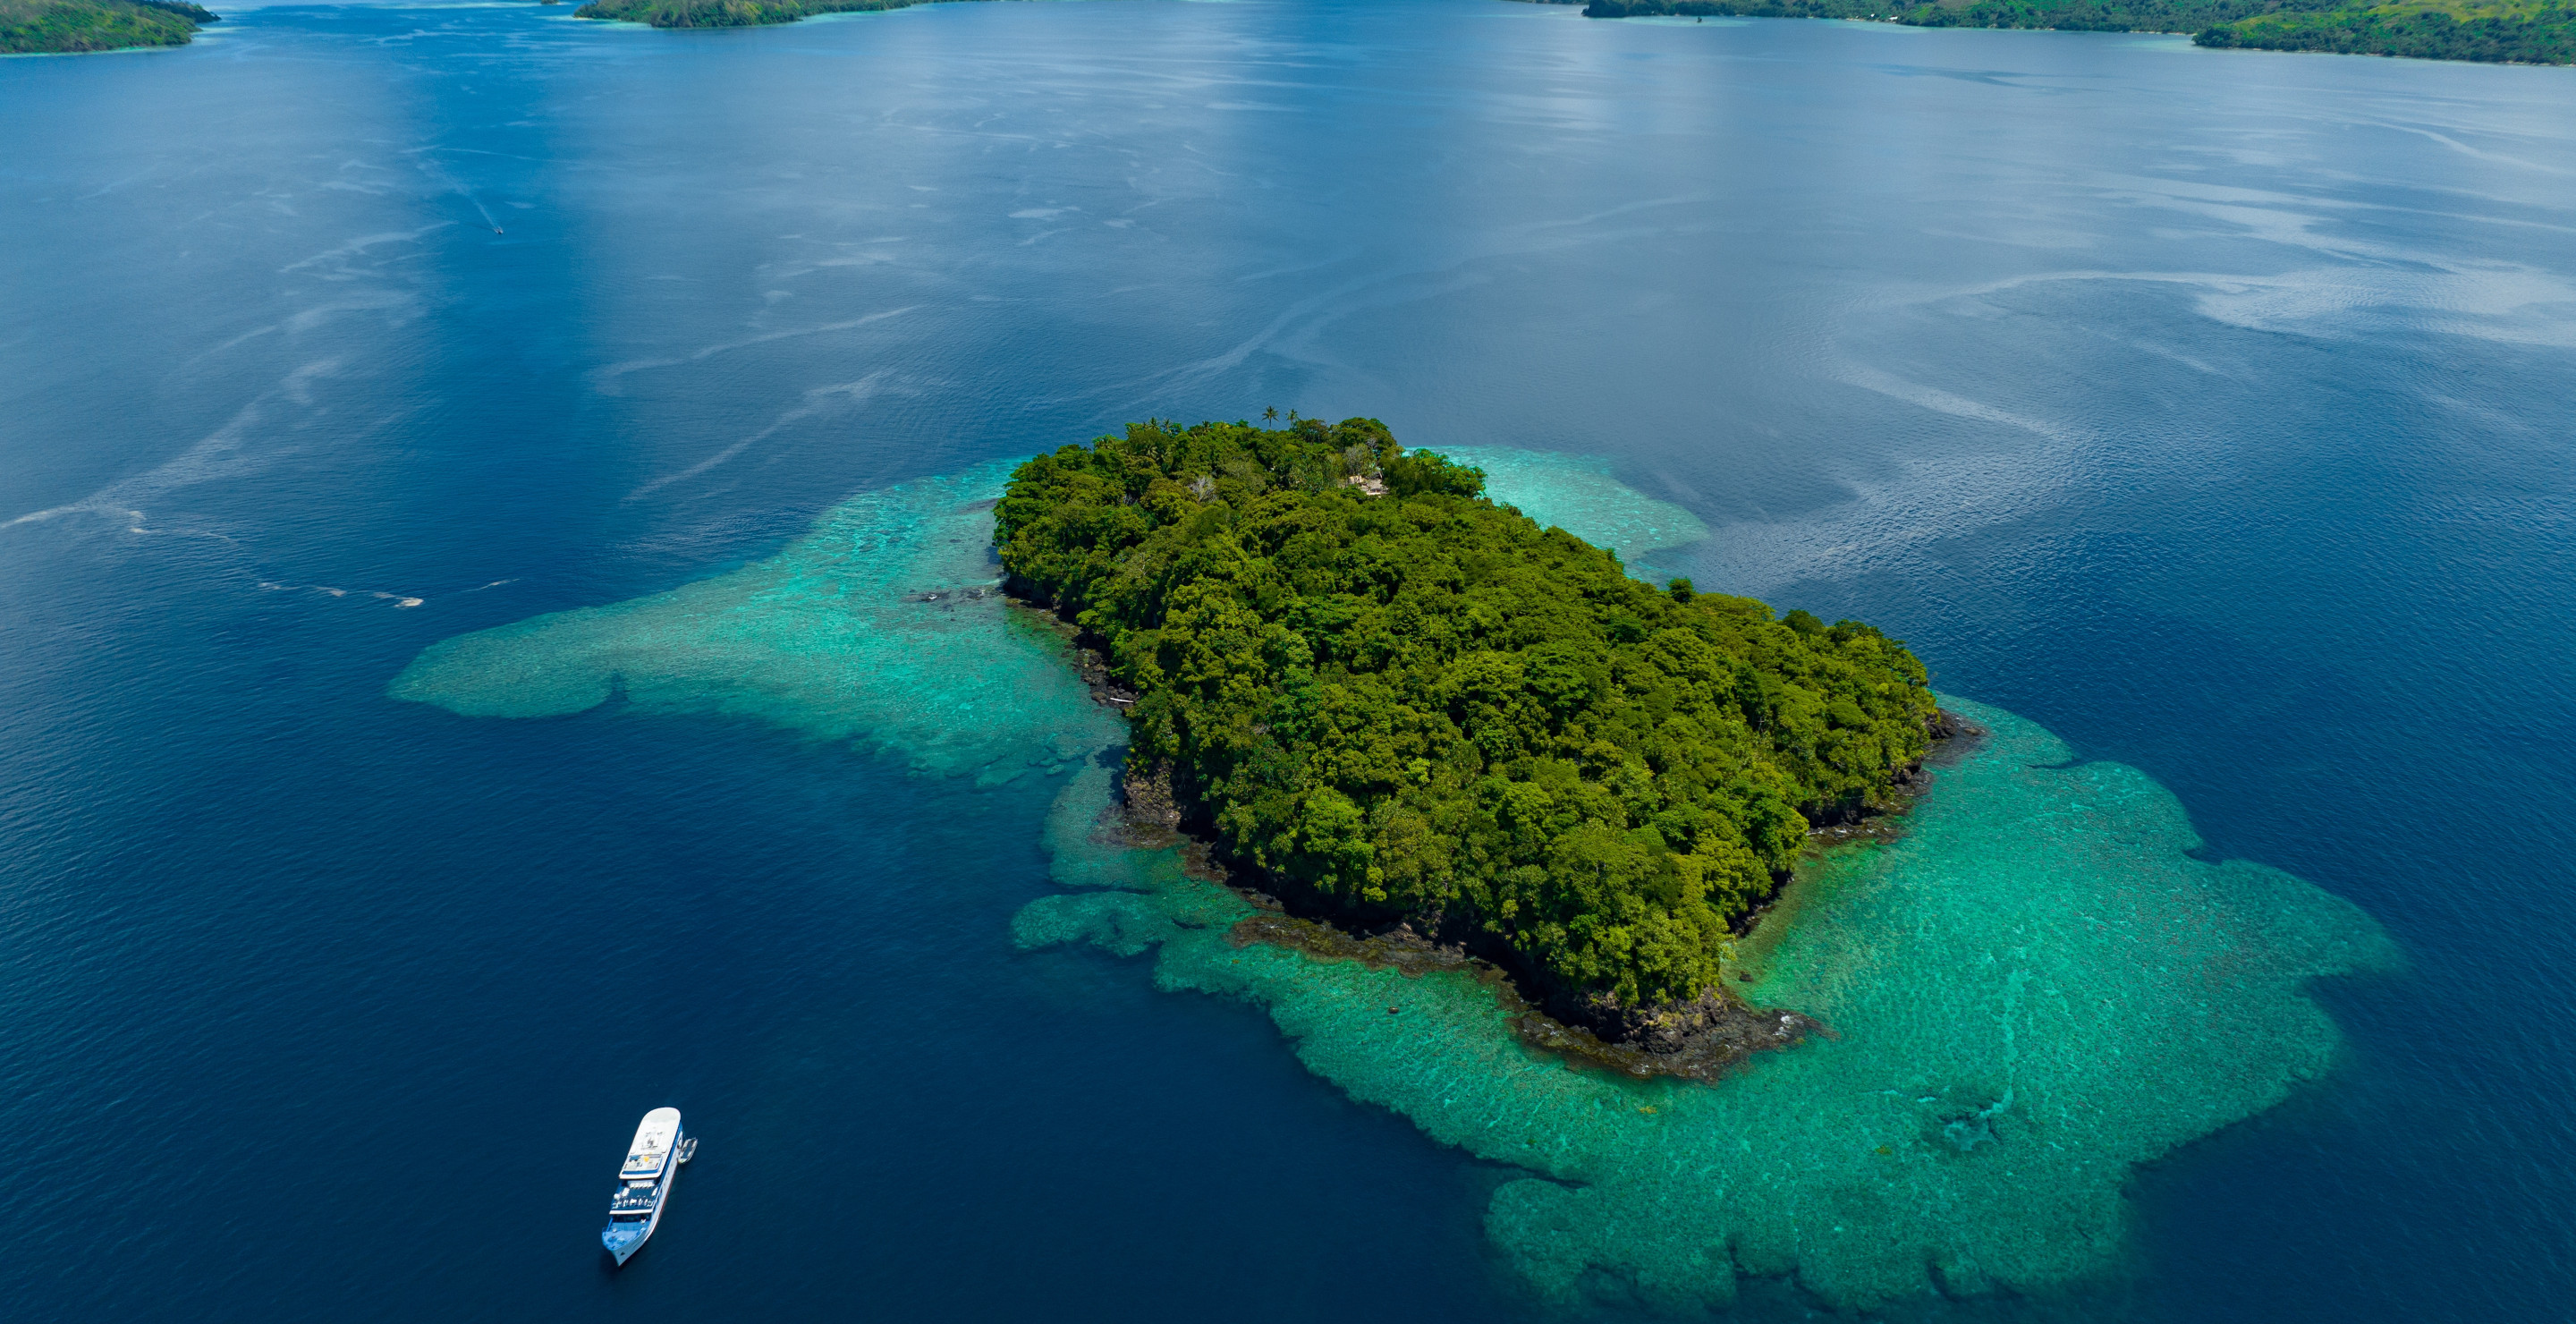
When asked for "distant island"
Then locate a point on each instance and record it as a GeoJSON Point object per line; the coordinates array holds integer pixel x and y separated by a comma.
{"type": "Point", "coordinates": [2494, 31]}
{"type": "Point", "coordinates": [1392, 704]}
{"type": "Point", "coordinates": [2498, 31]}
{"type": "Point", "coordinates": [56, 27]}
{"type": "Point", "coordinates": [725, 13]}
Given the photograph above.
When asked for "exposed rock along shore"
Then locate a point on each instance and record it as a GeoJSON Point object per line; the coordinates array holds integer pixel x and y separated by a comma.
{"type": "Point", "coordinates": [1699, 1040]}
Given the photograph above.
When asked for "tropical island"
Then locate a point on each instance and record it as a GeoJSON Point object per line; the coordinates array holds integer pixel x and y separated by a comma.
{"type": "Point", "coordinates": [62, 27]}
{"type": "Point", "coordinates": [2041, 983]}
{"type": "Point", "coordinates": [2495, 31]}
{"type": "Point", "coordinates": [1401, 706]}
{"type": "Point", "coordinates": [726, 13]}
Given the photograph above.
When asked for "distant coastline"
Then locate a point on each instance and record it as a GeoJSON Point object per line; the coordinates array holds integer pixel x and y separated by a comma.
{"type": "Point", "coordinates": [727, 13]}
{"type": "Point", "coordinates": [2482, 31]}
{"type": "Point", "coordinates": [67, 27]}
{"type": "Point", "coordinates": [2488, 31]}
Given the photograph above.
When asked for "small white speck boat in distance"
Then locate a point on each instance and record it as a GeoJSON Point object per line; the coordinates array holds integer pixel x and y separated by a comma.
{"type": "Point", "coordinates": [644, 1182]}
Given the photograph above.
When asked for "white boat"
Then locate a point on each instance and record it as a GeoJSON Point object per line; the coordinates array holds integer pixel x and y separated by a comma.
{"type": "Point", "coordinates": [644, 1181]}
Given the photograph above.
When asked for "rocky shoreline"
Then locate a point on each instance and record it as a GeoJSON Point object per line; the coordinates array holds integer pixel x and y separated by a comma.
{"type": "Point", "coordinates": [1699, 1040]}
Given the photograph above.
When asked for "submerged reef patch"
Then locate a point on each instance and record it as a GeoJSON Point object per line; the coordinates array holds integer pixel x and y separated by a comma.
{"type": "Point", "coordinates": [1582, 495]}
{"type": "Point", "coordinates": [882, 624]}
{"type": "Point", "coordinates": [2033, 989]}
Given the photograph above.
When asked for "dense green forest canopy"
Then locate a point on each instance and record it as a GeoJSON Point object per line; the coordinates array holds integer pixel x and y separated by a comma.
{"type": "Point", "coordinates": [2523, 31]}
{"type": "Point", "coordinates": [2497, 31]}
{"type": "Point", "coordinates": [34, 27]}
{"type": "Point", "coordinates": [1399, 700]}
{"type": "Point", "coordinates": [725, 13]}
{"type": "Point", "coordinates": [2083, 15]}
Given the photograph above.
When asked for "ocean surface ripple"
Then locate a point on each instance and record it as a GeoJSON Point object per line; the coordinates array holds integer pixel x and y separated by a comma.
{"type": "Point", "coordinates": [490, 643]}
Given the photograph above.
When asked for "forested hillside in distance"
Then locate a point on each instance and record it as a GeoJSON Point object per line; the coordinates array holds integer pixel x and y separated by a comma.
{"type": "Point", "coordinates": [2077, 15]}
{"type": "Point", "coordinates": [29, 27]}
{"type": "Point", "coordinates": [1397, 700]}
{"type": "Point", "coordinates": [2491, 32]}
{"type": "Point", "coordinates": [2494, 30]}
{"type": "Point", "coordinates": [725, 13]}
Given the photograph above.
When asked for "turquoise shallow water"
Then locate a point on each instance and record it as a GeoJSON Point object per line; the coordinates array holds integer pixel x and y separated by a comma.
{"type": "Point", "coordinates": [1582, 494]}
{"type": "Point", "coordinates": [2034, 989]}
{"type": "Point", "coordinates": [879, 626]}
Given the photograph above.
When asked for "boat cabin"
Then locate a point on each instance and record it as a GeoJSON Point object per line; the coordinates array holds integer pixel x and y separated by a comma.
{"type": "Point", "coordinates": [652, 1148]}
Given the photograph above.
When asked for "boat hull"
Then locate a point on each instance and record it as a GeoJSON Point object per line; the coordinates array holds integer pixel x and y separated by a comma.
{"type": "Point", "coordinates": [620, 1241]}
{"type": "Point", "coordinates": [659, 1138]}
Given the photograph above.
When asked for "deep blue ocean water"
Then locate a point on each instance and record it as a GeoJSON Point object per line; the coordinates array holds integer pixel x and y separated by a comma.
{"type": "Point", "coordinates": [2211, 409]}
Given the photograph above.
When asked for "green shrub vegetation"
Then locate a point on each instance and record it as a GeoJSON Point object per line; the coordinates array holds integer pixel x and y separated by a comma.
{"type": "Point", "coordinates": [2524, 31]}
{"type": "Point", "coordinates": [2078, 15]}
{"type": "Point", "coordinates": [32, 27]}
{"type": "Point", "coordinates": [725, 13]}
{"type": "Point", "coordinates": [1400, 701]}
{"type": "Point", "coordinates": [2495, 32]}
